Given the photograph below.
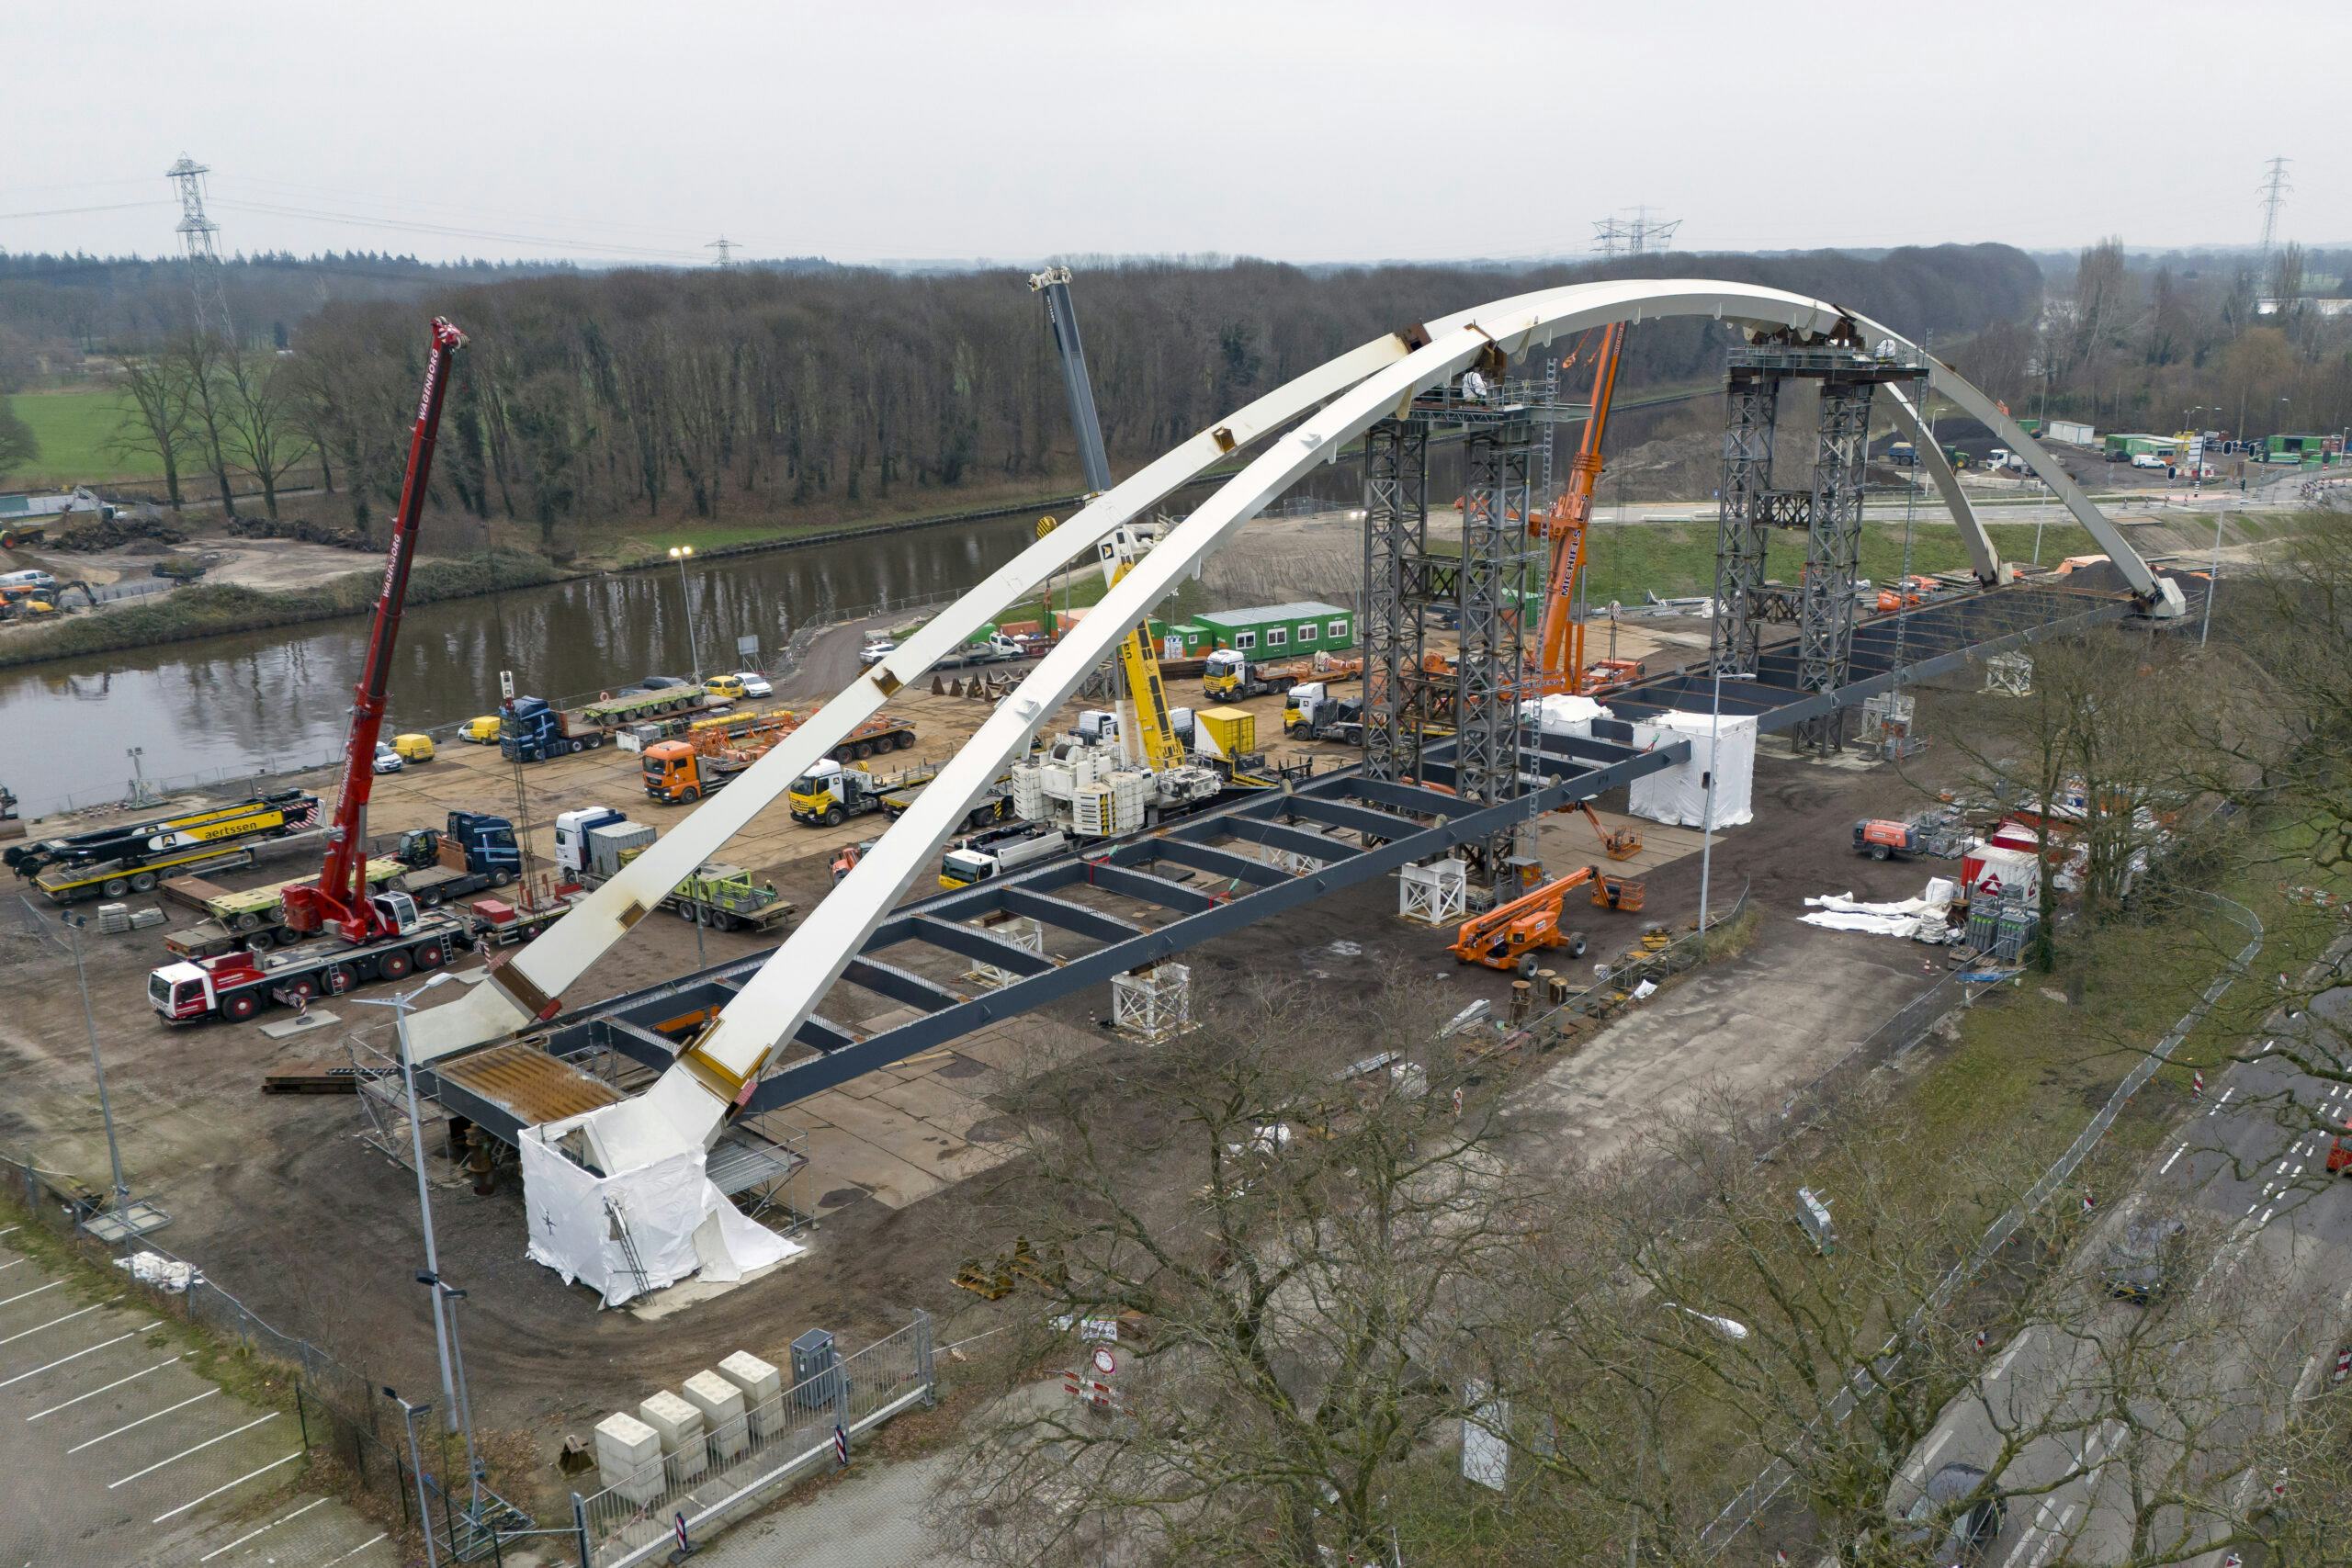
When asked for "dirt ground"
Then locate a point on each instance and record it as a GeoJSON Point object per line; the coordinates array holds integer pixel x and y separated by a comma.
{"type": "Point", "coordinates": [252, 563]}
{"type": "Point", "coordinates": [280, 1201]}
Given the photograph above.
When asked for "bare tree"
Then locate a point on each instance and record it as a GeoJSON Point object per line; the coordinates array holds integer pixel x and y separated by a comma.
{"type": "Point", "coordinates": [156, 422]}
{"type": "Point", "coordinates": [1309, 1262]}
{"type": "Point", "coordinates": [264, 425]}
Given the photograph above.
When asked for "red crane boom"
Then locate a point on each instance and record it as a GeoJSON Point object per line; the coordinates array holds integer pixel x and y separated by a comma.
{"type": "Point", "coordinates": [339, 897]}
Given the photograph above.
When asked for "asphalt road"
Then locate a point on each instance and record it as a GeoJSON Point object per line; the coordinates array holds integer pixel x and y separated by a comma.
{"type": "Point", "coordinates": [2268, 1261]}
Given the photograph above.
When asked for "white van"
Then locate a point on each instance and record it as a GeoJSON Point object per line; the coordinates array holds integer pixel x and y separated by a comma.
{"type": "Point", "coordinates": [28, 580]}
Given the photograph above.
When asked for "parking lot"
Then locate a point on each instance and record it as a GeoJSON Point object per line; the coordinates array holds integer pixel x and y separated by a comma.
{"type": "Point", "coordinates": [116, 1452]}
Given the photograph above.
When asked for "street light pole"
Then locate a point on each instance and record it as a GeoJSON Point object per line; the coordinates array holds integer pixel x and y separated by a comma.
{"type": "Point", "coordinates": [97, 1064]}
{"type": "Point", "coordinates": [404, 1002]}
{"type": "Point", "coordinates": [2212, 578]}
{"type": "Point", "coordinates": [451, 1296]}
{"type": "Point", "coordinates": [683, 554]}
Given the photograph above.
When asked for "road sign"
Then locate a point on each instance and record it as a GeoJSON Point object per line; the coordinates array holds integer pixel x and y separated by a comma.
{"type": "Point", "coordinates": [1106, 1363]}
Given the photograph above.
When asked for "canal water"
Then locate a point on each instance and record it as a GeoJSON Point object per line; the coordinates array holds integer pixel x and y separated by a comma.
{"type": "Point", "coordinates": [229, 706]}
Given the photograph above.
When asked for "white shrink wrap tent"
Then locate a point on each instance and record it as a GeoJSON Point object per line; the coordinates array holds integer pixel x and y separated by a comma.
{"type": "Point", "coordinates": [1679, 794]}
{"type": "Point", "coordinates": [676, 1218]}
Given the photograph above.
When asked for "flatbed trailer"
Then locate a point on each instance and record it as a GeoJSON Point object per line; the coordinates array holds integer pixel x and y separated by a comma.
{"type": "Point", "coordinates": [111, 879]}
{"type": "Point", "coordinates": [723, 897]}
{"type": "Point", "coordinates": [171, 841]}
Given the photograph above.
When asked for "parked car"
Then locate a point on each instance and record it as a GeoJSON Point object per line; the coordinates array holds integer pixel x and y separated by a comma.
{"type": "Point", "coordinates": [1944, 1520]}
{"type": "Point", "coordinates": [727, 688]}
{"type": "Point", "coordinates": [387, 760]}
{"type": "Point", "coordinates": [2140, 1263]}
{"type": "Point", "coordinates": [661, 682]}
{"type": "Point", "coordinates": [414, 748]}
{"type": "Point", "coordinates": [481, 731]}
{"type": "Point", "coordinates": [876, 649]}
{"type": "Point", "coordinates": [754, 684]}
{"type": "Point", "coordinates": [2148, 460]}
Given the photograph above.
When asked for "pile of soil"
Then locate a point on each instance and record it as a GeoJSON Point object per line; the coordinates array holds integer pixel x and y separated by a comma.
{"type": "Point", "coordinates": [124, 528]}
{"type": "Point", "coordinates": [300, 529]}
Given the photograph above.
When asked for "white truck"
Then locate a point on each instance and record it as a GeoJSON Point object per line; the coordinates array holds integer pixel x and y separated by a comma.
{"type": "Point", "coordinates": [997, 851]}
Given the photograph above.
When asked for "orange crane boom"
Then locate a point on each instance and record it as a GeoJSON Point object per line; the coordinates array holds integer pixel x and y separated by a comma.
{"type": "Point", "coordinates": [1561, 659]}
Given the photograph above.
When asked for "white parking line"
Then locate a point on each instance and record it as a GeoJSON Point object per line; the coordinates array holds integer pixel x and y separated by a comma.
{"type": "Point", "coordinates": [35, 1290]}
{"type": "Point", "coordinates": [127, 1425]}
{"type": "Point", "coordinates": [2001, 1362]}
{"type": "Point", "coordinates": [264, 1531]}
{"type": "Point", "coordinates": [12, 1263]}
{"type": "Point", "coordinates": [2266, 1218]}
{"type": "Point", "coordinates": [357, 1550]}
{"type": "Point", "coordinates": [76, 1356]}
{"type": "Point", "coordinates": [117, 1383]}
{"type": "Point", "coordinates": [11, 1230]}
{"type": "Point", "coordinates": [264, 1470]}
{"type": "Point", "coordinates": [194, 1448]}
{"type": "Point", "coordinates": [1919, 1466]}
{"type": "Point", "coordinates": [2176, 1155]}
{"type": "Point", "coordinates": [2265, 1047]}
{"type": "Point", "coordinates": [53, 1322]}
{"type": "Point", "coordinates": [2223, 1101]}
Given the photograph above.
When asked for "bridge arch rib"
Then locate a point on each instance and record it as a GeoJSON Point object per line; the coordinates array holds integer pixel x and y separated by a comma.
{"type": "Point", "coordinates": [690, 1102]}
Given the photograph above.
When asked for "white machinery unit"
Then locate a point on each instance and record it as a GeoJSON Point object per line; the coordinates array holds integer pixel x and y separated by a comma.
{"type": "Point", "coordinates": [1153, 1004]}
{"type": "Point", "coordinates": [1435, 893]}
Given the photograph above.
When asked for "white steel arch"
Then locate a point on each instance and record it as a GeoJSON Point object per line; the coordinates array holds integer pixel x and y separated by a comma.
{"type": "Point", "coordinates": [688, 1105]}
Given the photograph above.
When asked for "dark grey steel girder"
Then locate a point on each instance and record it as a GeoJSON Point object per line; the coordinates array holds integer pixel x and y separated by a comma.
{"type": "Point", "coordinates": [1279, 836]}
{"type": "Point", "coordinates": [1226, 864]}
{"type": "Point", "coordinates": [1142, 886]}
{"type": "Point", "coordinates": [975, 942]}
{"type": "Point", "coordinates": [899, 985]}
{"type": "Point", "coordinates": [799, 1079]}
{"type": "Point", "coordinates": [1359, 819]}
{"type": "Point", "coordinates": [1061, 913]}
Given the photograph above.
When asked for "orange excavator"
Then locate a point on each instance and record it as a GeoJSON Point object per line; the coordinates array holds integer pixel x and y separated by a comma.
{"type": "Point", "coordinates": [1561, 666]}
{"type": "Point", "coordinates": [1509, 935]}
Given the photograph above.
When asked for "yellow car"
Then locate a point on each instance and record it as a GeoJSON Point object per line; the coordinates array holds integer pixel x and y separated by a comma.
{"type": "Point", "coordinates": [414, 748]}
{"type": "Point", "coordinates": [483, 731]}
{"type": "Point", "coordinates": [728, 688]}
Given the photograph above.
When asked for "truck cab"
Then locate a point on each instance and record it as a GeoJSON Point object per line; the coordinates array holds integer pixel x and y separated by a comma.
{"type": "Point", "coordinates": [1228, 669]}
{"type": "Point", "coordinates": [671, 772]}
{"type": "Point", "coordinates": [526, 732]}
{"type": "Point", "coordinates": [571, 830]}
{"type": "Point", "coordinates": [828, 792]}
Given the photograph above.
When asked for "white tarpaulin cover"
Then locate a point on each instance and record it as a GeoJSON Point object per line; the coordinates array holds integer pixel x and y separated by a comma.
{"type": "Point", "coordinates": [1921, 919]}
{"type": "Point", "coordinates": [677, 1220]}
{"type": "Point", "coordinates": [1679, 794]}
{"type": "Point", "coordinates": [1564, 715]}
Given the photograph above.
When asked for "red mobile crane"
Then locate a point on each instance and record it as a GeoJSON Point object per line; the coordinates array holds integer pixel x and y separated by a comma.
{"type": "Point", "coordinates": [356, 936]}
{"type": "Point", "coordinates": [339, 897]}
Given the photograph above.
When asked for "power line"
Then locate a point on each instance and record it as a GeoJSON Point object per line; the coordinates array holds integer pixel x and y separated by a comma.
{"type": "Point", "coordinates": [319, 215]}
{"type": "Point", "coordinates": [67, 211]}
{"type": "Point", "coordinates": [726, 248]}
{"type": "Point", "coordinates": [425, 210]}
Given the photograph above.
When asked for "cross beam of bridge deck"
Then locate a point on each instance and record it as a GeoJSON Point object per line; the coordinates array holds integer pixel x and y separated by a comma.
{"type": "Point", "coordinates": [1413, 823]}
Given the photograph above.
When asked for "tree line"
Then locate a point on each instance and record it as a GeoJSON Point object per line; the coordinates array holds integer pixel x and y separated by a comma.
{"type": "Point", "coordinates": [2158, 344]}
{"type": "Point", "coordinates": [734, 393]}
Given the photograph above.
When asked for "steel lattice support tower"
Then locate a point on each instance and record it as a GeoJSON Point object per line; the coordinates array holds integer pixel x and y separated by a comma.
{"type": "Point", "coordinates": [199, 244]}
{"type": "Point", "coordinates": [1833, 551]}
{"type": "Point", "coordinates": [1498, 494]}
{"type": "Point", "coordinates": [1742, 516]}
{"type": "Point", "coordinates": [1396, 582]}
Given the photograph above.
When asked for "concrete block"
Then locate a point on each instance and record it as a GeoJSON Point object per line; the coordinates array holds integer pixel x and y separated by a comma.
{"type": "Point", "coordinates": [763, 1388]}
{"type": "Point", "coordinates": [626, 1452]}
{"type": "Point", "coordinates": [721, 1403]}
{"type": "Point", "coordinates": [681, 1427]}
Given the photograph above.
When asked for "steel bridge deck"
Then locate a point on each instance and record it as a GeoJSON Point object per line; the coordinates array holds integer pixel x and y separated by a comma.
{"type": "Point", "coordinates": [1205, 875]}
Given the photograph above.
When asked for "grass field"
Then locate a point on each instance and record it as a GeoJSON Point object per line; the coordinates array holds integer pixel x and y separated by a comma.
{"type": "Point", "coordinates": [75, 430]}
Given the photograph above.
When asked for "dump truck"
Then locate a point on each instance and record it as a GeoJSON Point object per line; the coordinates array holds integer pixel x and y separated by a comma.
{"type": "Point", "coordinates": [532, 729]}
{"type": "Point", "coordinates": [1230, 674]}
{"type": "Point", "coordinates": [431, 866]}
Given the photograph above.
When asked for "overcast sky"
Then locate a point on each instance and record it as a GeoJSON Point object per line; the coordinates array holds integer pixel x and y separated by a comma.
{"type": "Point", "coordinates": [1292, 128]}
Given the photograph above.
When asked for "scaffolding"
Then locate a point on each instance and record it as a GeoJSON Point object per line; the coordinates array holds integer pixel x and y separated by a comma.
{"type": "Point", "coordinates": [1152, 1005]}
{"type": "Point", "coordinates": [1411, 697]}
{"type": "Point", "coordinates": [1433, 893]}
{"type": "Point", "coordinates": [2009, 674]}
{"type": "Point", "coordinates": [1829, 509]}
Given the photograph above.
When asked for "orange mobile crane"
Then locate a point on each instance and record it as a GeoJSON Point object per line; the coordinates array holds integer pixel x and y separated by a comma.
{"type": "Point", "coordinates": [1560, 666]}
